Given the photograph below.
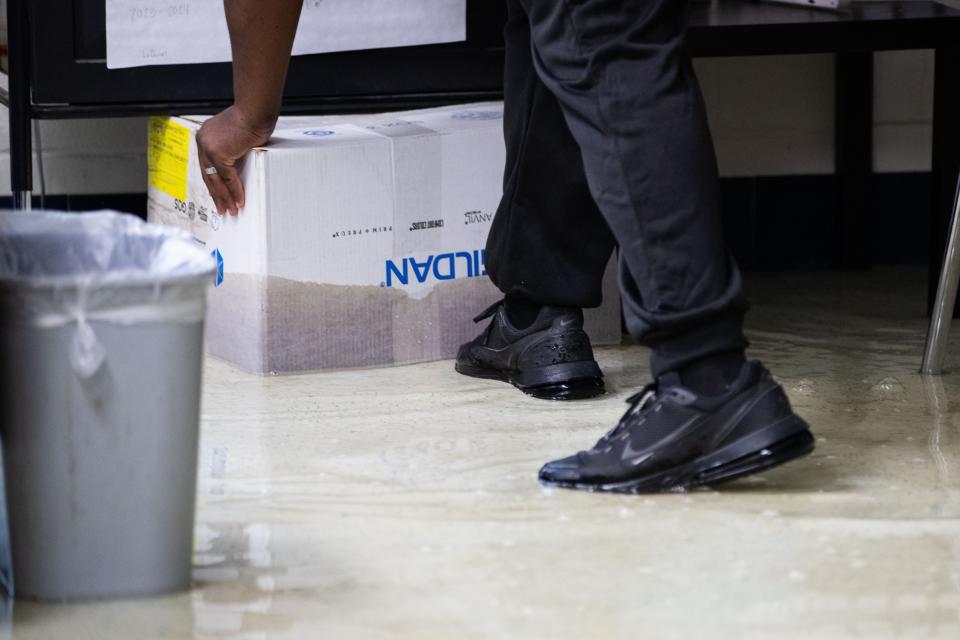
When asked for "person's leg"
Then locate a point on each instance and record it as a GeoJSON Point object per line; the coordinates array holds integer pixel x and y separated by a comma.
{"type": "Point", "coordinates": [630, 97]}
{"type": "Point", "coordinates": [629, 94]}
{"type": "Point", "coordinates": [548, 246]}
{"type": "Point", "coordinates": [549, 243]}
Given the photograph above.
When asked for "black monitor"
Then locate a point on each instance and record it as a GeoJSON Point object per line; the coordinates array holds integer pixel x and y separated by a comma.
{"type": "Point", "coordinates": [70, 75]}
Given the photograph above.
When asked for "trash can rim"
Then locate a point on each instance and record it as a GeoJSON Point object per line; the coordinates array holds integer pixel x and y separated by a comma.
{"type": "Point", "coordinates": [120, 279]}
{"type": "Point", "coordinates": [195, 266]}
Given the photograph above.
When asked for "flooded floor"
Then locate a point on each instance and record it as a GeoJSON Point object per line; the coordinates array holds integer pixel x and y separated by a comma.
{"type": "Point", "coordinates": [403, 503]}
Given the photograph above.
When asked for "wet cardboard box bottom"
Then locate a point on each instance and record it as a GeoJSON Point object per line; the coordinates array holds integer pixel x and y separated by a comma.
{"type": "Point", "coordinates": [275, 325]}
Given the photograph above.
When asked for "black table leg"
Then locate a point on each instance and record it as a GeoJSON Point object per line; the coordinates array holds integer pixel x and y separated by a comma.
{"type": "Point", "coordinates": [853, 149]}
{"type": "Point", "coordinates": [946, 157]}
{"type": "Point", "coordinates": [21, 152]}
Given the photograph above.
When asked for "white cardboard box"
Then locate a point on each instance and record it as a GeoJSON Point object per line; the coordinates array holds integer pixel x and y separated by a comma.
{"type": "Point", "coordinates": [361, 242]}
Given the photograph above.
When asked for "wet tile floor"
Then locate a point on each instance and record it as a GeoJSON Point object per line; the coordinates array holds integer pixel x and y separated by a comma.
{"type": "Point", "coordinates": [402, 503]}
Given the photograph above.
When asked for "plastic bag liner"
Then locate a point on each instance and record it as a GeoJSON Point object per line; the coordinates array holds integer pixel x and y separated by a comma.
{"type": "Point", "coordinates": [59, 269]}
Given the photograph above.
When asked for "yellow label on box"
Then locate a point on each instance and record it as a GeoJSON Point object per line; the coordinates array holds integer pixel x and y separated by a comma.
{"type": "Point", "coordinates": [168, 152]}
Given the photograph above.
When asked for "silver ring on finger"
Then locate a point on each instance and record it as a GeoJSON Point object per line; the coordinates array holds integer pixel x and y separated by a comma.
{"type": "Point", "coordinates": [210, 171]}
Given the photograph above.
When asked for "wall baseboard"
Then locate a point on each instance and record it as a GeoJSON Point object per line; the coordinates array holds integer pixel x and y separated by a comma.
{"type": "Point", "coordinates": [135, 203]}
{"type": "Point", "coordinates": [776, 222]}
{"type": "Point", "coordinates": [771, 222]}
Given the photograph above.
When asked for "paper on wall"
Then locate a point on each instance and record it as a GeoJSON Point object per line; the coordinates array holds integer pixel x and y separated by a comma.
{"type": "Point", "coordinates": [159, 32]}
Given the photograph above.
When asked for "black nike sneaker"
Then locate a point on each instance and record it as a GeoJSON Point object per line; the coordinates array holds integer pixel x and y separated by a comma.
{"type": "Point", "coordinates": [551, 359]}
{"type": "Point", "coordinates": [673, 439]}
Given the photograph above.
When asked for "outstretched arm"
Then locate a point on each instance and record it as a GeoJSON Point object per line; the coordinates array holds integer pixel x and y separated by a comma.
{"type": "Point", "coordinates": [261, 36]}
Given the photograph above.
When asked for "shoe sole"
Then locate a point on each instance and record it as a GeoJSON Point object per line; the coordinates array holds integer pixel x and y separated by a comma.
{"type": "Point", "coordinates": [565, 381]}
{"type": "Point", "coordinates": [765, 449]}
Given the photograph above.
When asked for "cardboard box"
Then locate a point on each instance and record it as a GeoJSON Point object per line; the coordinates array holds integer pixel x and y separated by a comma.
{"type": "Point", "coordinates": [361, 243]}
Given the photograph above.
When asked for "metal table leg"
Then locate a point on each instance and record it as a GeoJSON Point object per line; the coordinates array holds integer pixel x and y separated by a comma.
{"type": "Point", "coordinates": [935, 351]}
{"type": "Point", "coordinates": [22, 200]}
{"type": "Point", "coordinates": [21, 152]}
{"type": "Point", "coordinates": [853, 150]}
{"type": "Point", "coordinates": [945, 158]}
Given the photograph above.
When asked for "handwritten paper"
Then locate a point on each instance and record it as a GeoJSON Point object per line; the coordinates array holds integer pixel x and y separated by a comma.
{"type": "Point", "coordinates": [155, 32]}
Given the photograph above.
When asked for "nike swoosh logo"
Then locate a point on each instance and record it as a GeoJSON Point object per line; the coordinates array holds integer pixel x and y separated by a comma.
{"type": "Point", "coordinates": [635, 458]}
{"type": "Point", "coordinates": [566, 322]}
{"type": "Point", "coordinates": [638, 460]}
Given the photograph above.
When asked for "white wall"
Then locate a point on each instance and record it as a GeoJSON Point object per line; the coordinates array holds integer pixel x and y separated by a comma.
{"type": "Point", "coordinates": [85, 156]}
{"type": "Point", "coordinates": [770, 116]}
{"type": "Point", "coordinates": [774, 115]}
{"type": "Point", "coordinates": [903, 110]}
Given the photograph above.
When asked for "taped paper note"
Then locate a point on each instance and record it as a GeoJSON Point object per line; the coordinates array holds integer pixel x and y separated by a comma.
{"type": "Point", "coordinates": [168, 151]}
{"type": "Point", "coordinates": [154, 32]}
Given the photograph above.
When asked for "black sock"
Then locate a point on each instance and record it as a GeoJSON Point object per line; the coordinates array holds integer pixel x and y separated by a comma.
{"type": "Point", "coordinates": [522, 312]}
{"type": "Point", "coordinates": [712, 375]}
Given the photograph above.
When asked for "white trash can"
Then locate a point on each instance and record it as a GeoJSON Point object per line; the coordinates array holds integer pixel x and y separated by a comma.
{"type": "Point", "coordinates": [101, 343]}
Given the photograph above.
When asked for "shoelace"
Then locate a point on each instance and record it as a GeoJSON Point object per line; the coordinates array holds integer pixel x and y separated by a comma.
{"type": "Point", "coordinates": [638, 403]}
{"type": "Point", "coordinates": [489, 311]}
{"type": "Point", "coordinates": [486, 314]}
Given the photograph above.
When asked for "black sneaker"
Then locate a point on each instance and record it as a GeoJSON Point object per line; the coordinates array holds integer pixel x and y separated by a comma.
{"type": "Point", "coordinates": [673, 439]}
{"type": "Point", "coordinates": [551, 359]}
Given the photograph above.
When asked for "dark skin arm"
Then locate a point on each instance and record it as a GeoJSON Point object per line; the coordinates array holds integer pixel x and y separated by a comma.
{"type": "Point", "coordinates": [261, 36]}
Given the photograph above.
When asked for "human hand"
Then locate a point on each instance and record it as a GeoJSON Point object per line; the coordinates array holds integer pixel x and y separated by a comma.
{"type": "Point", "coordinates": [221, 142]}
